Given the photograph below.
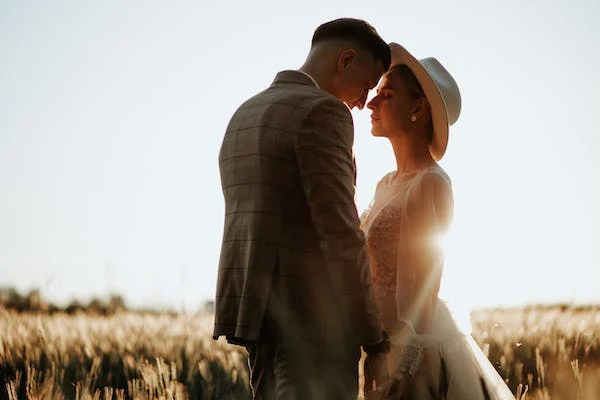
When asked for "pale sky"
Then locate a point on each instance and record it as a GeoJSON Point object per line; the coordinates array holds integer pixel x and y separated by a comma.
{"type": "Point", "coordinates": [112, 114]}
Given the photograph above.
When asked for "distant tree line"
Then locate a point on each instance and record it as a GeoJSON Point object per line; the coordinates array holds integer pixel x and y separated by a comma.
{"type": "Point", "coordinates": [11, 299]}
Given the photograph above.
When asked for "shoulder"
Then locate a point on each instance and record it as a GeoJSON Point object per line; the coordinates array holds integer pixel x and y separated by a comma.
{"type": "Point", "coordinates": [435, 196]}
{"type": "Point", "coordinates": [385, 179]}
{"type": "Point", "coordinates": [295, 91]}
{"type": "Point", "coordinates": [436, 189]}
{"type": "Point", "coordinates": [435, 177]}
{"type": "Point", "coordinates": [300, 88]}
{"type": "Point", "coordinates": [324, 105]}
{"type": "Point", "coordinates": [329, 118]}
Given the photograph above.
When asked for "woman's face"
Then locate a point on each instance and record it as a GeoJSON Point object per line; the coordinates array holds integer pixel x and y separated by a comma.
{"type": "Point", "coordinates": [391, 107]}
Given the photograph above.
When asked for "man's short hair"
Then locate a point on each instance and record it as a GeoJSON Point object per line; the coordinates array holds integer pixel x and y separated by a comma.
{"type": "Point", "coordinates": [358, 31]}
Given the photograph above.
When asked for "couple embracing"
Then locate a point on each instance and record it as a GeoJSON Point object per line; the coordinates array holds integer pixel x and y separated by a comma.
{"type": "Point", "coordinates": [304, 283]}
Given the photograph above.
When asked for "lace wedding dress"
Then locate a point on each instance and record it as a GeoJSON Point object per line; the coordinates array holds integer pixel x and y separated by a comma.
{"type": "Point", "coordinates": [402, 224]}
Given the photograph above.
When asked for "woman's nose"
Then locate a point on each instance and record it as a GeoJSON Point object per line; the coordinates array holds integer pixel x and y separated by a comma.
{"type": "Point", "coordinates": [372, 104]}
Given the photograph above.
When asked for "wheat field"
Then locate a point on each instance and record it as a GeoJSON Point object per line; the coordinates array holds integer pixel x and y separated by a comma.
{"type": "Point", "coordinates": [553, 352]}
{"type": "Point", "coordinates": [543, 353]}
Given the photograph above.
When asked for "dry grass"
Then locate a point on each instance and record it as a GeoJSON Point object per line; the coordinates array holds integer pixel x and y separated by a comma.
{"type": "Point", "coordinates": [542, 353]}
{"type": "Point", "coordinates": [547, 352]}
{"type": "Point", "coordinates": [126, 355]}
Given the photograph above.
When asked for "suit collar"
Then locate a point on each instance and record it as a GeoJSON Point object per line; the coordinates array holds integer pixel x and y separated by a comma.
{"type": "Point", "coordinates": [294, 77]}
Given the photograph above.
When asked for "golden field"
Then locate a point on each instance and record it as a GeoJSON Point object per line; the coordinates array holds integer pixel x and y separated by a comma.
{"type": "Point", "coordinates": [543, 353]}
{"type": "Point", "coordinates": [553, 352]}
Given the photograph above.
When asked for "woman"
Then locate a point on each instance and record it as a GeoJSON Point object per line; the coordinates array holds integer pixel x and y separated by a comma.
{"type": "Point", "coordinates": [412, 209]}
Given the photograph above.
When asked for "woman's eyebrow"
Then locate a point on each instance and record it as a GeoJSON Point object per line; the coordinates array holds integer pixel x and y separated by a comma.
{"type": "Point", "coordinates": [379, 89]}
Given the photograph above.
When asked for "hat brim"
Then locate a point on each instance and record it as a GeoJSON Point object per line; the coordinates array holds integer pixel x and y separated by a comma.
{"type": "Point", "coordinates": [439, 116]}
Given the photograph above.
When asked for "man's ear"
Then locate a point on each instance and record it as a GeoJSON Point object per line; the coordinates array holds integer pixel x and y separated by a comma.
{"type": "Point", "coordinates": [345, 58]}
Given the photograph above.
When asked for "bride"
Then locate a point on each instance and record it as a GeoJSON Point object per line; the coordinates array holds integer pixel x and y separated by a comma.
{"type": "Point", "coordinates": [416, 102]}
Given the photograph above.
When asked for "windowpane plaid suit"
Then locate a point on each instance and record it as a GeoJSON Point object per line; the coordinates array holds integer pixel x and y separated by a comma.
{"type": "Point", "coordinates": [292, 252]}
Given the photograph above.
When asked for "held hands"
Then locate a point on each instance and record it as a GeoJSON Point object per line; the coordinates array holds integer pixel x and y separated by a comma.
{"type": "Point", "coordinates": [392, 389]}
{"type": "Point", "coordinates": [379, 385]}
{"type": "Point", "coordinates": [376, 374]}
{"type": "Point", "coordinates": [375, 366]}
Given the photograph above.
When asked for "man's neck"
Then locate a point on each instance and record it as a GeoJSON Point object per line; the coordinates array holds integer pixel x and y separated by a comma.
{"type": "Point", "coordinates": [318, 76]}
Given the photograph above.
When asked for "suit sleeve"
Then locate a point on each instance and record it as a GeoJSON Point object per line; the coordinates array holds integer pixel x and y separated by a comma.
{"type": "Point", "coordinates": [324, 151]}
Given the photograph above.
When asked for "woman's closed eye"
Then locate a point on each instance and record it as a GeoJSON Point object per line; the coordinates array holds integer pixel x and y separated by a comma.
{"type": "Point", "coordinates": [386, 94]}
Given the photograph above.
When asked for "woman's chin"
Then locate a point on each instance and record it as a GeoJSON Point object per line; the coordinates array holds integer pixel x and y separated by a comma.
{"type": "Point", "coordinates": [378, 132]}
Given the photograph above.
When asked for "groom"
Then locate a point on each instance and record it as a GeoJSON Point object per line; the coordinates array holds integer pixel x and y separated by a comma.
{"type": "Point", "coordinates": [294, 281]}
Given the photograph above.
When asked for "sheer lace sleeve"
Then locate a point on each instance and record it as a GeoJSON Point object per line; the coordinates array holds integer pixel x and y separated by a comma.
{"type": "Point", "coordinates": [425, 218]}
{"type": "Point", "coordinates": [431, 211]}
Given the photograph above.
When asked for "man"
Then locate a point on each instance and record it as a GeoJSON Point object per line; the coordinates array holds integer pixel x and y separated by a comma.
{"type": "Point", "coordinates": [294, 279]}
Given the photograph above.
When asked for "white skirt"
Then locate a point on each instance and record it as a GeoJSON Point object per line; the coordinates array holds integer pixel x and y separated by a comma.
{"type": "Point", "coordinates": [469, 375]}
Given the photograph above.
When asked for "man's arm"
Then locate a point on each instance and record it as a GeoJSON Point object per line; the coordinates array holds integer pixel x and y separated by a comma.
{"type": "Point", "coordinates": [324, 151]}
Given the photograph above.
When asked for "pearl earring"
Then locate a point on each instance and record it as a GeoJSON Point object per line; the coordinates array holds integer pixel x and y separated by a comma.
{"type": "Point", "coordinates": [413, 118]}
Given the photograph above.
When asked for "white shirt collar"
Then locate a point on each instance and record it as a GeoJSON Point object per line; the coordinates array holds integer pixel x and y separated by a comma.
{"type": "Point", "coordinates": [311, 78]}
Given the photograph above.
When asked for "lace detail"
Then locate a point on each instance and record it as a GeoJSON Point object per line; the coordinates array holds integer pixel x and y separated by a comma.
{"type": "Point", "coordinates": [409, 359]}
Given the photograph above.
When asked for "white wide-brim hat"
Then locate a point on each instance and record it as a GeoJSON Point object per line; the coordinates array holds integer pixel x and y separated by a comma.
{"type": "Point", "coordinates": [441, 91]}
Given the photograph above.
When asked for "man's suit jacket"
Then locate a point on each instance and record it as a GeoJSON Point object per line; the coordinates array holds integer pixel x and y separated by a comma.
{"type": "Point", "coordinates": [292, 249]}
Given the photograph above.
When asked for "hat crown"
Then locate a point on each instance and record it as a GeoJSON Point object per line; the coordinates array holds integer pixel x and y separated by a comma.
{"type": "Point", "coordinates": [446, 85]}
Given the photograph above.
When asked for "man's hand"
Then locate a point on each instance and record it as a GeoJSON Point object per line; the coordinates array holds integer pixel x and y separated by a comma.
{"type": "Point", "coordinates": [375, 372]}
{"type": "Point", "coordinates": [392, 389]}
